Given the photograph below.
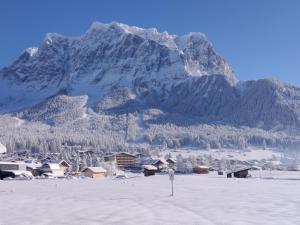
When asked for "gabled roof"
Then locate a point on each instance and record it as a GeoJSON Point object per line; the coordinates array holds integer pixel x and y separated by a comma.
{"type": "Point", "coordinates": [171, 160]}
{"type": "Point", "coordinates": [240, 169]}
{"type": "Point", "coordinates": [95, 169]}
{"type": "Point", "coordinates": [149, 167]}
{"type": "Point", "coordinates": [154, 161]}
{"type": "Point", "coordinates": [64, 161]}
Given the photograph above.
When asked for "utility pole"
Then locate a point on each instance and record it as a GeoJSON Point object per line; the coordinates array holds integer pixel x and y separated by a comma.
{"type": "Point", "coordinates": [171, 177]}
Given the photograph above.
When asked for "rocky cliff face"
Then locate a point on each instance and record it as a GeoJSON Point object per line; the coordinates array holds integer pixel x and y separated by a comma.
{"type": "Point", "coordinates": [108, 56]}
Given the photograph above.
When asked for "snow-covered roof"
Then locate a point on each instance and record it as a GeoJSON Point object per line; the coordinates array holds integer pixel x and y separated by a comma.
{"type": "Point", "coordinates": [171, 160]}
{"type": "Point", "coordinates": [202, 167]}
{"type": "Point", "coordinates": [155, 161]}
{"type": "Point", "coordinates": [149, 167]}
{"type": "Point", "coordinates": [240, 169]}
{"type": "Point", "coordinates": [33, 164]}
{"type": "Point", "coordinates": [2, 148]}
{"type": "Point", "coordinates": [52, 166]}
{"type": "Point", "coordinates": [96, 169]}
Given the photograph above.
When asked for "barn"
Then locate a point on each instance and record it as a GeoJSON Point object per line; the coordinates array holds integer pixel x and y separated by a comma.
{"type": "Point", "coordinates": [94, 172]}
{"type": "Point", "coordinates": [149, 170]}
{"type": "Point", "coordinates": [201, 169]}
{"type": "Point", "coordinates": [239, 173]}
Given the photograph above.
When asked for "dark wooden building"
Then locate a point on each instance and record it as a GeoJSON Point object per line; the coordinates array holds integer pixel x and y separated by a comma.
{"type": "Point", "coordinates": [239, 173]}
{"type": "Point", "coordinates": [149, 170]}
{"type": "Point", "coordinates": [201, 169]}
{"type": "Point", "coordinates": [125, 159]}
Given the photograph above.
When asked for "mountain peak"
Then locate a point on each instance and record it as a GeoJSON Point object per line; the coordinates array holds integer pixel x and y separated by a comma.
{"type": "Point", "coordinates": [32, 51]}
{"type": "Point", "coordinates": [113, 55]}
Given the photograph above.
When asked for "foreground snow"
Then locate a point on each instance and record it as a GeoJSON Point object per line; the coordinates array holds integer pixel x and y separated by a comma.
{"type": "Point", "coordinates": [199, 199]}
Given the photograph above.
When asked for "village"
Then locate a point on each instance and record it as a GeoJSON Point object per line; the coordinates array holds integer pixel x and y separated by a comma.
{"type": "Point", "coordinates": [113, 165]}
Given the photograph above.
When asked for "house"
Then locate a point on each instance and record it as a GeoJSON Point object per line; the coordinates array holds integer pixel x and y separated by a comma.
{"type": "Point", "coordinates": [13, 169]}
{"type": "Point", "coordinates": [52, 169]}
{"type": "Point", "coordinates": [94, 172]}
{"type": "Point", "coordinates": [239, 173]}
{"type": "Point", "coordinates": [201, 169]}
{"type": "Point", "coordinates": [160, 164]}
{"type": "Point", "coordinates": [64, 165]}
{"type": "Point", "coordinates": [171, 162]}
{"type": "Point", "coordinates": [124, 159]}
{"type": "Point", "coordinates": [33, 167]}
{"type": "Point", "coordinates": [149, 170]}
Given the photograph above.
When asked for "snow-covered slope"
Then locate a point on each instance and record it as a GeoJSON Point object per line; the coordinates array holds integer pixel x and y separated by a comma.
{"type": "Point", "coordinates": [114, 74]}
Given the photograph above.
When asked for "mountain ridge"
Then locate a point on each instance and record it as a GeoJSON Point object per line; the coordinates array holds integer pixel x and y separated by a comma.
{"type": "Point", "coordinates": [116, 72]}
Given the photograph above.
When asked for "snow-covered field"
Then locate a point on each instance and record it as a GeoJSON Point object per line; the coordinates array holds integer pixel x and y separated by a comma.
{"type": "Point", "coordinates": [199, 199]}
{"type": "Point", "coordinates": [249, 154]}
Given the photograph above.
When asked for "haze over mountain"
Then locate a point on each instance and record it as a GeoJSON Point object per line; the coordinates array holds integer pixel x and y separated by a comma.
{"type": "Point", "coordinates": [120, 87]}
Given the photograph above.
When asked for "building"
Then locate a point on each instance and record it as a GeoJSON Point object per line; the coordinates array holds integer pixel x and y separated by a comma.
{"type": "Point", "coordinates": [13, 170]}
{"type": "Point", "coordinates": [160, 164]}
{"type": "Point", "coordinates": [33, 167]}
{"type": "Point", "coordinates": [149, 170]}
{"type": "Point", "coordinates": [171, 162]}
{"type": "Point", "coordinates": [124, 160]}
{"type": "Point", "coordinates": [94, 172]}
{"type": "Point", "coordinates": [239, 173]}
{"type": "Point", "coordinates": [64, 165]}
{"type": "Point", "coordinates": [52, 169]}
{"type": "Point", "coordinates": [201, 169]}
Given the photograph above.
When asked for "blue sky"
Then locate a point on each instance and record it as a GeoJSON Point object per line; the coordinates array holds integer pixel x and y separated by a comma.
{"type": "Point", "coordinates": [259, 38]}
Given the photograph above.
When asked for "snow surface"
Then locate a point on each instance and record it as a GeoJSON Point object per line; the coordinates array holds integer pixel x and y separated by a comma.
{"type": "Point", "coordinates": [199, 199]}
{"type": "Point", "coordinates": [244, 155]}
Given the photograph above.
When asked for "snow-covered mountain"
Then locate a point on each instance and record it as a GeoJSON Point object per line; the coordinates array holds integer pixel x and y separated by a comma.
{"type": "Point", "coordinates": [106, 57]}
{"type": "Point", "coordinates": [136, 78]}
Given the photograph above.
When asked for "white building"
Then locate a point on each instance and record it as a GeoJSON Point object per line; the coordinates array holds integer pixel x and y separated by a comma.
{"type": "Point", "coordinates": [52, 169]}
